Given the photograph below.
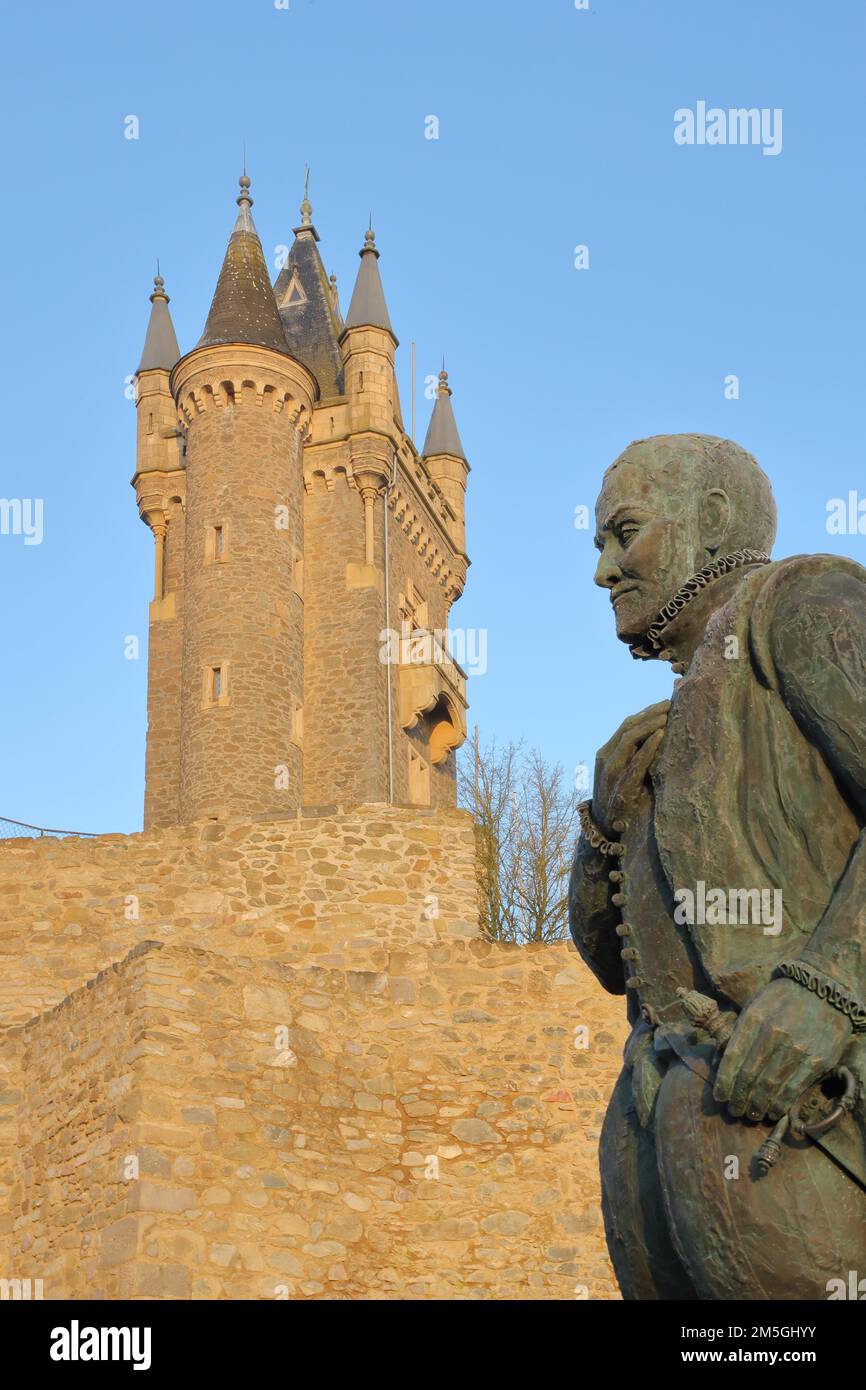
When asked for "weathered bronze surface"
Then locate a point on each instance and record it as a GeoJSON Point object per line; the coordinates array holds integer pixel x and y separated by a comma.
{"type": "Point", "coordinates": [720, 884]}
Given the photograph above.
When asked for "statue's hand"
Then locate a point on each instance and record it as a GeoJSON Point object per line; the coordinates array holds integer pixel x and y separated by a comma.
{"type": "Point", "coordinates": [784, 1040]}
{"type": "Point", "coordinates": [622, 765]}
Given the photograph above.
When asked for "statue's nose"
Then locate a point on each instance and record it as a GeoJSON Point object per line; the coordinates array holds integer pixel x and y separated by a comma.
{"type": "Point", "coordinates": [607, 572]}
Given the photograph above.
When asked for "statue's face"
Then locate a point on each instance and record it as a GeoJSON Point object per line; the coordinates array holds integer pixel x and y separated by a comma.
{"type": "Point", "coordinates": [647, 529]}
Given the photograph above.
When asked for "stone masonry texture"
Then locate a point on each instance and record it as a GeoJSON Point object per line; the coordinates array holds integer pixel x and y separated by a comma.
{"type": "Point", "coordinates": [242, 614]}
{"type": "Point", "coordinates": [277, 1061]}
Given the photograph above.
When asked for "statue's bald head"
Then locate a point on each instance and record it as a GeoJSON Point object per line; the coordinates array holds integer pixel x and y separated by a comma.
{"type": "Point", "coordinates": [668, 506]}
{"type": "Point", "coordinates": [686, 466]}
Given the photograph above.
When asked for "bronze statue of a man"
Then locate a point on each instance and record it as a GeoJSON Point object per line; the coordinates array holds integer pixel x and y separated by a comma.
{"type": "Point", "coordinates": [720, 883]}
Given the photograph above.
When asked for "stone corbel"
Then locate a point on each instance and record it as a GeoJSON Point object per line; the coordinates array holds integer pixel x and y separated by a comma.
{"type": "Point", "coordinates": [434, 687]}
{"type": "Point", "coordinates": [160, 529]}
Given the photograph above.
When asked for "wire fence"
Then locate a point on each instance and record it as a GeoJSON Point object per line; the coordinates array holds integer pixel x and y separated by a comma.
{"type": "Point", "coordinates": [20, 830]}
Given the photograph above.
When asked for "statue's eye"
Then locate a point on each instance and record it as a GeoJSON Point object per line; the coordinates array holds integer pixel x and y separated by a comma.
{"type": "Point", "coordinates": [627, 532]}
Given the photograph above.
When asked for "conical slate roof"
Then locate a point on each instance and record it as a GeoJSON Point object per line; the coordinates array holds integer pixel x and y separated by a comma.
{"type": "Point", "coordinates": [160, 344]}
{"type": "Point", "coordinates": [244, 309]}
{"type": "Point", "coordinates": [307, 306]}
{"type": "Point", "coordinates": [368, 305]}
{"type": "Point", "coordinates": [443, 436]}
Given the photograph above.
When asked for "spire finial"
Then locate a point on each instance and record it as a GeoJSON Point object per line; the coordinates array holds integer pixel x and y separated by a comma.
{"type": "Point", "coordinates": [158, 286]}
{"type": "Point", "coordinates": [160, 345]}
{"type": "Point", "coordinates": [443, 437]}
{"type": "Point", "coordinates": [368, 307]}
{"type": "Point", "coordinates": [306, 205]}
{"type": "Point", "coordinates": [244, 199]}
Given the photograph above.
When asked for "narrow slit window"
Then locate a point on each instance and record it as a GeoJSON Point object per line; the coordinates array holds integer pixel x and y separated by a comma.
{"type": "Point", "coordinates": [216, 683]}
{"type": "Point", "coordinates": [215, 544]}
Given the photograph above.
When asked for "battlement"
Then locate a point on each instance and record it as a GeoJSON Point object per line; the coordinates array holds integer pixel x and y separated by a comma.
{"type": "Point", "coordinates": [248, 375]}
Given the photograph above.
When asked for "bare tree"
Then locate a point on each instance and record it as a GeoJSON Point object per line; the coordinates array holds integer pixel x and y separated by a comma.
{"type": "Point", "coordinates": [525, 827]}
{"type": "Point", "coordinates": [486, 783]}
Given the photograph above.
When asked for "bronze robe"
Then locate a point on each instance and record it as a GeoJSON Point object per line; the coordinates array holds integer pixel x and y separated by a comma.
{"type": "Point", "coordinates": [760, 784]}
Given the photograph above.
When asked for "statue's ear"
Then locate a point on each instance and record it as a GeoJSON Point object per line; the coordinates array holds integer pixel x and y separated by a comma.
{"type": "Point", "coordinates": [715, 519]}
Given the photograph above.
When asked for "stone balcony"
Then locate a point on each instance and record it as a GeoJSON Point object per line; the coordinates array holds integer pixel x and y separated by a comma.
{"type": "Point", "coordinates": [432, 684]}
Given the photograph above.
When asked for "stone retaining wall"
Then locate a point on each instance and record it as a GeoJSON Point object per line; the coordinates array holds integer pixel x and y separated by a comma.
{"type": "Point", "coordinates": [417, 1125]}
{"type": "Point", "coordinates": [289, 888]}
{"type": "Point", "coordinates": [277, 1061]}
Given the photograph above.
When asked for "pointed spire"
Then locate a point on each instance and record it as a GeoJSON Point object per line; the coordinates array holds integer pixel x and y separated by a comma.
{"type": "Point", "coordinates": [443, 436]}
{"type": "Point", "coordinates": [306, 205]}
{"type": "Point", "coordinates": [305, 228]}
{"type": "Point", "coordinates": [368, 307]}
{"type": "Point", "coordinates": [244, 309]}
{"type": "Point", "coordinates": [306, 303]}
{"type": "Point", "coordinates": [160, 344]}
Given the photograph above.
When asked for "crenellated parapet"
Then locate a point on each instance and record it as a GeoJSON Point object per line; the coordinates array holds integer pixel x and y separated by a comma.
{"type": "Point", "coordinates": [243, 376]}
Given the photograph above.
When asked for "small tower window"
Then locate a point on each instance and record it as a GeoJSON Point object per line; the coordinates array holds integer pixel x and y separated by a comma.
{"type": "Point", "coordinates": [215, 685]}
{"type": "Point", "coordinates": [216, 544]}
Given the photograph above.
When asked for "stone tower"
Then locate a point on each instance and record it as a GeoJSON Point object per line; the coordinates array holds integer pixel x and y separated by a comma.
{"type": "Point", "coordinates": [307, 555]}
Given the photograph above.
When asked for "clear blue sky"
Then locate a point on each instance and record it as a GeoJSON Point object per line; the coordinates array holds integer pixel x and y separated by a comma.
{"type": "Point", "coordinates": [556, 129]}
